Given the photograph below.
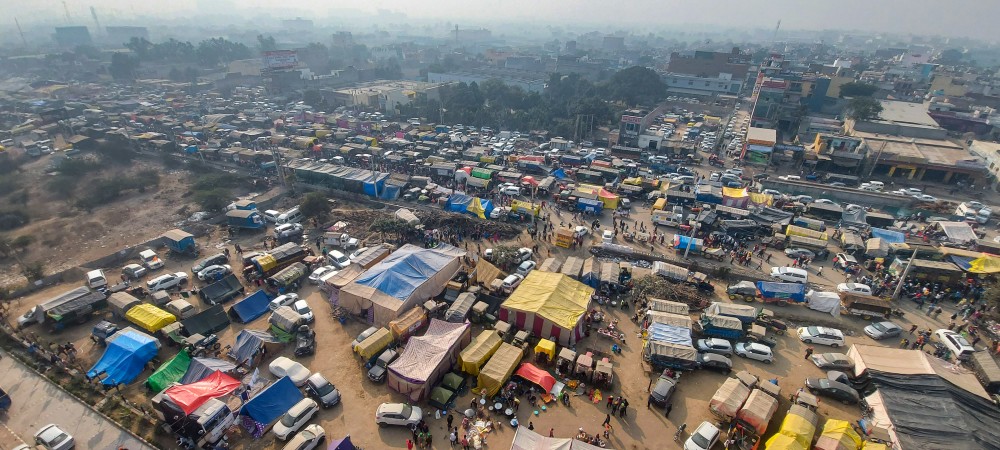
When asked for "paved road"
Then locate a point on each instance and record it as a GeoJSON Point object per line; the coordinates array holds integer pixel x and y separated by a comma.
{"type": "Point", "coordinates": [36, 402]}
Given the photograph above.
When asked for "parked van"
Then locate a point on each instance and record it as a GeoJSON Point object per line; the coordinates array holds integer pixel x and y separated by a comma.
{"type": "Point", "coordinates": [790, 274]}
{"type": "Point", "coordinates": [271, 215]}
{"type": "Point", "coordinates": [181, 309]}
{"type": "Point", "coordinates": [659, 204]}
{"type": "Point", "coordinates": [955, 342]}
{"type": "Point", "coordinates": [291, 216]}
{"type": "Point", "coordinates": [96, 279]}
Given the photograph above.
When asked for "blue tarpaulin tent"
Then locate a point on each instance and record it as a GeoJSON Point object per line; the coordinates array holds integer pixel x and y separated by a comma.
{"type": "Point", "coordinates": [668, 333]}
{"type": "Point", "coordinates": [268, 405]}
{"type": "Point", "coordinates": [251, 307]}
{"type": "Point", "coordinates": [128, 352]}
{"type": "Point", "coordinates": [248, 343]}
{"type": "Point", "coordinates": [892, 237]}
{"type": "Point", "coordinates": [399, 277]}
{"type": "Point", "coordinates": [558, 173]}
{"type": "Point", "coordinates": [458, 203]}
{"type": "Point", "coordinates": [203, 367]}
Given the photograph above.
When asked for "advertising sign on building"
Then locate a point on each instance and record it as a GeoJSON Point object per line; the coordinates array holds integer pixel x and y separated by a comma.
{"type": "Point", "coordinates": [632, 119]}
{"type": "Point", "coordinates": [280, 59]}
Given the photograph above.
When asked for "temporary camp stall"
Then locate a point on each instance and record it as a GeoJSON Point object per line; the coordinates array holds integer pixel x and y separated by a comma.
{"type": "Point", "coordinates": [120, 303]}
{"type": "Point", "coordinates": [537, 376]}
{"type": "Point", "coordinates": [526, 439]}
{"type": "Point", "coordinates": [729, 398]}
{"type": "Point", "coordinates": [426, 359]}
{"type": "Point", "coordinates": [666, 306]}
{"type": "Point", "coordinates": [407, 216]}
{"type": "Point", "coordinates": [209, 321]}
{"type": "Point", "coordinates": [590, 272]}
{"type": "Point", "coordinates": [405, 279]}
{"type": "Point", "coordinates": [572, 267]}
{"type": "Point", "coordinates": [757, 411]}
{"type": "Point", "coordinates": [876, 248]}
{"type": "Point", "coordinates": [247, 349]}
{"type": "Point", "coordinates": [550, 265]}
{"type": "Point", "coordinates": [460, 308]}
{"type": "Point", "coordinates": [203, 367]}
{"type": "Point", "coordinates": [127, 354]}
{"type": "Point", "coordinates": [149, 317]}
{"type": "Point", "coordinates": [547, 348]}
{"type": "Point", "coordinates": [838, 435]}
{"type": "Point", "coordinates": [251, 307]}
{"type": "Point", "coordinates": [479, 351]}
{"type": "Point", "coordinates": [343, 443]}
{"type": "Point", "coordinates": [261, 411]}
{"type": "Point", "coordinates": [549, 305]}
{"type": "Point", "coordinates": [332, 285]}
{"type": "Point", "coordinates": [408, 324]}
{"type": "Point", "coordinates": [169, 372]}
{"type": "Point", "coordinates": [499, 368]}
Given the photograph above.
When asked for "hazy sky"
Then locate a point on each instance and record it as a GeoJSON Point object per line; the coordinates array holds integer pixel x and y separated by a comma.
{"type": "Point", "coordinates": [972, 18]}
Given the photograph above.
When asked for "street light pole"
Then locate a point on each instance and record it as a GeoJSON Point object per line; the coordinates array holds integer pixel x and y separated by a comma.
{"type": "Point", "coordinates": [902, 278]}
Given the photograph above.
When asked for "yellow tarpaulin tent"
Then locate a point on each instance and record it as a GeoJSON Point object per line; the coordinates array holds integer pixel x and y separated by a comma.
{"type": "Point", "coordinates": [799, 425]}
{"type": "Point", "coordinates": [498, 370]}
{"type": "Point", "coordinates": [838, 435]}
{"type": "Point", "coordinates": [734, 192]}
{"type": "Point", "coordinates": [149, 317]}
{"type": "Point", "coordinates": [547, 347]}
{"type": "Point", "coordinates": [479, 351]}
{"type": "Point", "coordinates": [782, 442]}
{"type": "Point", "coordinates": [374, 343]}
{"type": "Point", "coordinates": [869, 445]}
{"type": "Point", "coordinates": [761, 199]}
{"type": "Point", "coordinates": [985, 264]}
{"type": "Point", "coordinates": [553, 296]}
{"type": "Point", "coordinates": [476, 207]}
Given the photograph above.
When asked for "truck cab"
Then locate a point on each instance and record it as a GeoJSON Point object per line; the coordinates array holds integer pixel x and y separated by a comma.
{"type": "Point", "coordinates": [150, 259]}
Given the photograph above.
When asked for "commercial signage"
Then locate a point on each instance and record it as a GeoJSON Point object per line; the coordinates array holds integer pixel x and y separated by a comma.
{"type": "Point", "coordinates": [632, 119]}
{"type": "Point", "coordinates": [281, 59]}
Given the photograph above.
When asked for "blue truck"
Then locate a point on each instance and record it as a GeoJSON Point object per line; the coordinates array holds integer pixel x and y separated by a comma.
{"type": "Point", "coordinates": [247, 219]}
{"type": "Point", "coordinates": [781, 293]}
{"type": "Point", "coordinates": [711, 325]}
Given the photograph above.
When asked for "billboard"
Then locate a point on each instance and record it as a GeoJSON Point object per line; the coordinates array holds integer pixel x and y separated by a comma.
{"type": "Point", "coordinates": [280, 59]}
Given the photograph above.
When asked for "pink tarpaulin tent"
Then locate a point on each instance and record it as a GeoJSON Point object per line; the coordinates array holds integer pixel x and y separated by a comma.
{"type": "Point", "coordinates": [427, 358]}
{"type": "Point", "coordinates": [539, 377]}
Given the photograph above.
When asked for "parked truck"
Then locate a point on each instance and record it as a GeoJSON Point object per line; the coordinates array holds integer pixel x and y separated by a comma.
{"type": "Point", "coordinates": [711, 325]}
{"type": "Point", "coordinates": [283, 256]}
{"type": "Point", "coordinates": [39, 313]}
{"type": "Point", "coordinates": [76, 311]}
{"type": "Point", "coordinates": [676, 274]}
{"type": "Point", "coordinates": [744, 313]}
{"type": "Point", "coordinates": [866, 306]}
{"type": "Point", "coordinates": [781, 293]}
{"type": "Point", "coordinates": [288, 279]}
{"type": "Point", "coordinates": [342, 240]}
{"type": "Point", "coordinates": [245, 219]}
{"type": "Point", "coordinates": [224, 290]}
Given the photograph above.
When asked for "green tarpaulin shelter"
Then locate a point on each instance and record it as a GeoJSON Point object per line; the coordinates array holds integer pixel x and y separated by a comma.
{"type": "Point", "coordinates": [453, 382]}
{"type": "Point", "coordinates": [170, 372]}
{"type": "Point", "coordinates": [441, 398]}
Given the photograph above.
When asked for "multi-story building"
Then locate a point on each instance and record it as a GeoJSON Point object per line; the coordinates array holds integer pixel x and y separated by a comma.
{"type": "Point", "coordinates": [72, 36]}
{"type": "Point", "coordinates": [707, 73]}
{"type": "Point", "coordinates": [529, 81]}
{"type": "Point", "coordinates": [990, 152]}
{"type": "Point", "coordinates": [386, 96]}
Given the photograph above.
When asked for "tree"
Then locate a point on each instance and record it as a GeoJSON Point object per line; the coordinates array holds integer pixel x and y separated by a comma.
{"type": "Point", "coordinates": [856, 89]}
{"type": "Point", "coordinates": [266, 43]}
{"type": "Point", "coordinates": [864, 108]}
{"type": "Point", "coordinates": [190, 74]}
{"type": "Point", "coordinates": [123, 66]}
{"type": "Point", "coordinates": [213, 199]}
{"type": "Point", "coordinates": [950, 56]}
{"type": "Point", "coordinates": [176, 74]}
{"type": "Point", "coordinates": [314, 205]}
{"type": "Point", "coordinates": [140, 46]}
{"type": "Point", "coordinates": [637, 85]}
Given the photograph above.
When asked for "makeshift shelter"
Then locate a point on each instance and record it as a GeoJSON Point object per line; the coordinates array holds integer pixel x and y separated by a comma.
{"type": "Point", "coordinates": [127, 354]}
{"type": "Point", "coordinates": [547, 348]}
{"type": "Point", "coordinates": [333, 285]}
{"type": "Point", "coordinates": [486, 272]}
{"type": "Point", "coordinates": [460, 308]}
{"type": "Point", "coordinates": [525, 439]}
{"type": "Point", "coordinates": [408, 323]}
{"type": "Point", "coordinates": [838, 435]}
{"type": "Point", "coordinates": [572, 267]}
{"type": "Point", "coordinates": [441, 398]}
{"type": "Point", "coordinates": [758, 410]}
{"type": "Point", "coordinates": [958, 232]}
{"type": "Point", "coordinates": [149, 317]}
{"type": "Point", "coordinates": [499, 368]}
{"type": "Point", "coordinates": [251, 307]}
{"type": "Point", "coordinates": [169, 372]}
{"type": "Point", "coordinates": [537, 376]}
{"type": "Point", "coordinates": [188, 397]}
{"type": "Point", "coordinates": [729, 398]}
{"type": "Point", "coordinates": [374, 343]}
{"type": "Point", "coordinates": [248, 346]}
{"type": "Point", "coordinates": [550, 305]}
{"type": "Point", "coordinates": [735, 197]}
{"type": "Point", "coordinates": [261, 411]}
{"type": "Point", "coordinates": [666, 306]}
{"type": "Point", "coordinates": [796, 432]}
{"type": "Point", "coordinates": [889, 236]}
{"type": "Point", "coordinates": [876, 248]}
{"type": "Point", "coordinates": [590, 272]}
{"type": "Point", "coordinates": [405, 279]}
{"type": "Point", "coordinates": [285, 322]}
{"type": "Point", "coordinates": [676, 320]}
{"type": "Point", "coordinates": [479, 351]}
{"type": "Point", "coordinates": [426, 359]}
{"type": "Point", "coordinates": [121, 302]}
{"type": "Point", "coordinates": [203, 367]}
{"type": "Point", "coordinates": [550, 265]}
{"type": "Point", "coordinates": [209, 321]}
{"type": "Point", "coordinates": [343, 443]}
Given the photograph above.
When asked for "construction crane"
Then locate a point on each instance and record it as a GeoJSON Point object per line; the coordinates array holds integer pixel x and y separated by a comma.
{"type": "Point", "coordinates": [66, 8]}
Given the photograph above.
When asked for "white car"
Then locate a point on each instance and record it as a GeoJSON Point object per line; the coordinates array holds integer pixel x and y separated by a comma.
{"type": "Point", "coordinates": [398, 414]}
{"type": "Point", "coordinates": [854, 288]}
{"type": "Point", "coordinates": [607, 236]}
{"type": "Point", "coordinates": [307, 439]}
{"type": "Point", "coordinates": [168, 281]}
{"type": "Point", "coordinates": [282, 367]}
{"type": "Point", "coordinates": [955, 342]}
{"type": "Point", "coordinates": [526, 267]}
{"type": "Point", "coordinates": [821, 335]}
{"type": "Point", "coordinates": [338, 259]}
{"type": "Point", "coordinates": [210, 273]}
{"type": "Point", "coordinates": [925, 198]}
{"type": "Point", "coordinates": [511, 282]}
{"type": "Point", "coordinates": [511, 190]}
{"type": "Point", "coordinates": [912, 191]}
{"type": "Point", "coordinates": [357, 254]}
{"type": "Point", "coordinates": [303, 309]}
{"type": "Point", "coordinates": [703, 438]}
{"type": "Point", "coordinates": [318, 273]}
{"type": "Point", "coordinates": [825, 201]}
{"type": "Point", "coordinates": [790, 274]}
{"type": "Point", "coordinates": [54, 438]}
{"type": "Point", "coordinates": [295, 418]}
{"type": "Point", "coordinates": [753, 350]}
{"type": "Point", "coordinates": [283, 300]}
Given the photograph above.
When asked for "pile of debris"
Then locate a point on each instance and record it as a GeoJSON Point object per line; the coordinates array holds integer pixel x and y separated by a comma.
{"type": "Point", "coordinates": [363, 219]}
{"type": "Point", "coordinates": [658, 287]}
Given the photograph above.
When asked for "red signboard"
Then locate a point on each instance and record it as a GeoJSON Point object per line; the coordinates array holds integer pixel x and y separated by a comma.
{"type": "Point", "coordinates": [632, 119]}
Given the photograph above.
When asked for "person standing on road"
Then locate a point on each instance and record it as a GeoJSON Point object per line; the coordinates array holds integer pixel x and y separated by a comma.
{"type": "Point", "coordinates": [809, 352]}
{"type": "Point", "coordinates": [819, 271]}
{"type": "Point", "coordinates": [913, 328]}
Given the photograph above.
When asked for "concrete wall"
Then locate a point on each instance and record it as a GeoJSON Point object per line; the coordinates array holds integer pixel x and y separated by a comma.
{"type": "Point", "coordinates": [844, 195]}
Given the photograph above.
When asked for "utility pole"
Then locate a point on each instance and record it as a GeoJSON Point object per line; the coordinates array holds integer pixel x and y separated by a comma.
{"type": "Point", "coordinates": [877, 157]}
{"type": "Point", "coordinates": [21, 32]}
{"type": "Point", "coordinates": [902, 278]}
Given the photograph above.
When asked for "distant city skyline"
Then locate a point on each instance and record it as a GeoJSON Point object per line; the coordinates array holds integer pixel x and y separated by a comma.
{"type": "Point", "coordinates": [919, 17]}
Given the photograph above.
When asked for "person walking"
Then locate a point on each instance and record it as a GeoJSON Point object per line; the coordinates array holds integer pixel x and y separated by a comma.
{"type": "Point", "coordinates": [552, 432]}
{"type": "Point", "coordinates": [913, 328]}
{"type": "Point", "coordinates": [607, 420]}
{"type": "Point", "coordinates": [819, 271]}
{"type": "Point", "coordinates": [809, 352]}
